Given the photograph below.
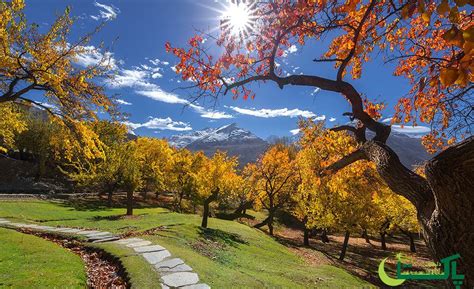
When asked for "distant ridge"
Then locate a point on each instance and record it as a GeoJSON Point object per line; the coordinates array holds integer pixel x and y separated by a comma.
{"type": "Point", "coordinates": [248, 147]}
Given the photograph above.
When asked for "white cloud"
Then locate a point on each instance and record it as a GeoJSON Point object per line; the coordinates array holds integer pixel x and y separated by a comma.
{"type": "Point", "coordinates": [332, 119]}
{"type": "Point", "coordinates": [316, 90]}
{"type": "Point", "coordinates": [415, 131]}
{"type": "Point", "coordinates": [130, 78]}
{"type": "Point", "coordinates": [216, 115]}
{"type": "Point", "coordinates": [319, 117]}
{"type": "Point", "coordinates": [209, 113]}
{"type": "Point", "coordinates": [157, 62]}
{"type": "Point", "coordinates": [106, 12]}
{"type": "Point", "coordinates": [138, 78]}
{"type": "Point", "coordinates": [290, 50]}
{"type": "Point", "coordinates": [156, 93]}
{"type": "Point", "coordinates": [92, 55]}
{"type": "Point", "coordinates": [268, 113]}
{"type": "Point", "coordinates": [411, 129]}
{"type": "Point", "coordinates": [161, 124]}
{"type": "Point", "coordinates": [295, 131]}
{"type": "Point", "coordinates": [156, 75]}
{"type": "Point", "coordinates": [122, 102]}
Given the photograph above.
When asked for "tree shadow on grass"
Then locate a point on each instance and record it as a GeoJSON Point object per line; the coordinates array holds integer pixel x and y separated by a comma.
{"type": "Point", "coordinates": [94, 202]}
{"type": "Point", "coordinates": [220, 236]}
{"type": "Point", "coordinates": [215, 244]}
{"type": "Point", "coordinates": [85, 205]}
{"type": "Point", "coordinates": [362, 259]}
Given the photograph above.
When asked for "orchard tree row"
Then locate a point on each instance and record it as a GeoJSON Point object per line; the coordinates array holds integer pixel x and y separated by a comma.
{"type": "Point", "coordinates": [290, 178]}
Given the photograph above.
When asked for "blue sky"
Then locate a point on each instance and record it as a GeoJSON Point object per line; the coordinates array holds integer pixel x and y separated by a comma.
{"type": "Point", "coordinates": [148, 89]}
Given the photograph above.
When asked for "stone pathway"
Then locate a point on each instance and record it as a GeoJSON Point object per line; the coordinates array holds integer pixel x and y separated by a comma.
{"type": "Point", "coordinates": [173, 271]}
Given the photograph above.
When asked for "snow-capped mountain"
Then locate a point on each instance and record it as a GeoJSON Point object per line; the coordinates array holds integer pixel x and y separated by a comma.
{"type": "Point", "coordinates": [182, 140]}
{"type": "Point", "coordinates": [236, 141]}
{"type": "Point", "coordinates": [248, 147]}
{"type": "Point", "coordinates": [409, 148]}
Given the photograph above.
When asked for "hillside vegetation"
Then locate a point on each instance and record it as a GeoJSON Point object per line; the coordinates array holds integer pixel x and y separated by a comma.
{"type": "Point", "coordinates": [229, 254]}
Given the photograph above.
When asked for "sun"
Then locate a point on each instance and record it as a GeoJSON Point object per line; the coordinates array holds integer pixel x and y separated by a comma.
{"type": "Point", "coordinates": [238, 18]}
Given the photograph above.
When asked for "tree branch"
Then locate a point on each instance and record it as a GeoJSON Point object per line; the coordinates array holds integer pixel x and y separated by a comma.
{"type": "Point", "coordinates": [345, 161]}
{"type": "Point", "coordinates": [348, 58]}
{"type": "Point", "coordinates": [359, 132]}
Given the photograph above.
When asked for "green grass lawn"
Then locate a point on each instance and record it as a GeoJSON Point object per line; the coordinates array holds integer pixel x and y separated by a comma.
{"type": "Point", "coordinates": [227, 255]}
{"type": "Point", "coordinates": [28, 261]}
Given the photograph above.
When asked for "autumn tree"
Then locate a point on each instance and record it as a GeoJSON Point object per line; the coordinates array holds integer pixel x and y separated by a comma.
{"type": "Point", "coordinates": [397, 214]}
{"type": "Point", "coordinates": [245, 194]}
{"type": "Point", "coordinates": [347, 194]}
{"type": "Point", "coordinates": [181, 180]}
{"type": "Point", "coordinates": [36, 139]}
{"type": "Point", "coordinates": [117, 166]}
{"type": "Point", "coordinates": [215, 177]}
{"type": "Point", "coordinates": [430, 43]}
{"type": "Point", "coordinates": [155, 158]}
{"type": "Point", "coordinates": [12, 123]}
{"type": "Point", "coordinates": [274, 175]}
{"type": "Point", "coordinates": [130, 176]}
{"type": "Point", "coordinates": [46, 62]}
{"type": "Point", "coordinates": [312, 202]}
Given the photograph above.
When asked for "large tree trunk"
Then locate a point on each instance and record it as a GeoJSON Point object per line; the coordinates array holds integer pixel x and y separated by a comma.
{"type": "Point", "coordinates": [412, 243]}
{"type": "Point", "coordinates": [324, 236]}
{"type": "Point", "coordinates": [365, 235]}
{"type": "Point", "coordinates": [207, 202]}
{"type": "Point", "coordinates": [270, 224]}
{"type": "Point", "coordinates": [306, 236]}
{"type": "Point", "coordinates": [412, 240]}
{"type": "Point", "coordinates": [241, 210]}
{"type": "Point", "coordinates": [268, 221]}
{"type": "Point", "coordinates": [450, 228]}
{"type": "Point", "coordinates": [129, 203]}
{"type": "Point", "coordinates": [109, 198]}
{"type": "Point", "coordinates": [382, 240]}
{"type": "Point", "coordinates": [444, 201]}
{"type": "Point", "coordinates": [344, 245]}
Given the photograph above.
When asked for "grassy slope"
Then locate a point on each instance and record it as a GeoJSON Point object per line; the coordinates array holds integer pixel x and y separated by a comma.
{"type": "Point", "coordinates": [228, 254]}
{"type": "Point", "coordinates": [31, 262]}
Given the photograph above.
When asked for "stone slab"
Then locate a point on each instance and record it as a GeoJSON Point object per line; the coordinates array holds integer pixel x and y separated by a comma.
{"type": "Point", "coordinates": [179, 268]}
{"type": "Point", "coordinates": [68, 230]}
{"type": "Point", "coordinates": [98, 234]}
{"type": "Point", "coordinates": [155, 257]}
{"type": "Point", "coordinates": [128, 241]}
{"type": "Point", "coordinates": [101, 237]}
{"type": "Point", "coordinates": [180, 279]}
{"type": "Point", "coordinates": [56, 229]}
{"type": "Point", "coordinates": [19, 225]}
{"type": "Point", "coordinates": [88, 232]}
{"type": "Point", "coordinates": [138, 244]}
{"type": "Point", "coordinates": [108, 239]}
{"type": "Point", "coordinates": [146, 249]}
{"type": "Point", "coordinates": [46, 228]}
{"type": "Point", "coordinates": [197, 286]}
{"type": "Point", "coordinates": [170, 263]}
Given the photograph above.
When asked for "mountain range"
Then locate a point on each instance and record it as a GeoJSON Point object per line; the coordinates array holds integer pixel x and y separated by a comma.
{"type": "Point", "coordinates": [248, 147]}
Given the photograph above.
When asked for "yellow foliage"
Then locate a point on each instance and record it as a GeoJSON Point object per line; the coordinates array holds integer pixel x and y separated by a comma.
{"type": "Point", "coordinates": [11, 124]}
